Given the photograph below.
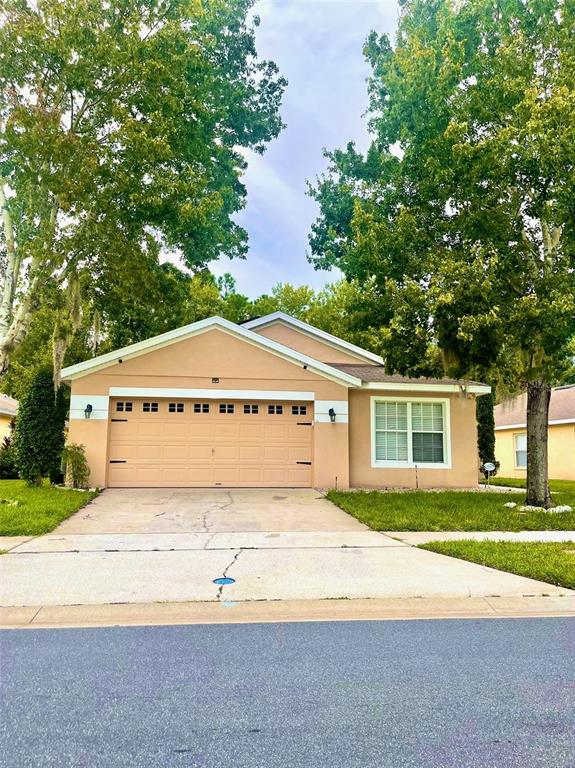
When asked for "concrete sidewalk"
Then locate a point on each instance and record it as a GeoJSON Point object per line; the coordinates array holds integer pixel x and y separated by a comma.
{"type": "Point", "coordinates": [60, 570]}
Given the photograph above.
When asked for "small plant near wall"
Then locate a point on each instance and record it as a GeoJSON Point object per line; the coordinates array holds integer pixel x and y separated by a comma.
{"type": "Point", "coordinates": [75, 466]}
{"type": "Point", "coordinates": [39, 434]}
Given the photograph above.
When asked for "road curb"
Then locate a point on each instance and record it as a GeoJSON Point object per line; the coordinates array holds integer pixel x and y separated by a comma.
{"type": "Point", "coordinates": [150, 614]}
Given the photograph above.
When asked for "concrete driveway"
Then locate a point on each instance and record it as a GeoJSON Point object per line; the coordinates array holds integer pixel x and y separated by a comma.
{"type": "Point", "coordinates": [168, 545]}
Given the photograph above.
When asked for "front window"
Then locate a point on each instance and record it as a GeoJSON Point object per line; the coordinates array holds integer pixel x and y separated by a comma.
{"type": "Point", "coordinates": [521, 451]}
{"type": "Point", "coordinates": [410, 432]}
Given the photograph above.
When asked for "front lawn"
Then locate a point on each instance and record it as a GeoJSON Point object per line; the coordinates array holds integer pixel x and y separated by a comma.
{"type": "Point", "coordinates": [562, 486]}
{"type": "Point", "coordinates": [37, 510]}
{"type": "Point", "coordinates": [450, 511]}
{"type": "Point", "coordinates": [550, 562]}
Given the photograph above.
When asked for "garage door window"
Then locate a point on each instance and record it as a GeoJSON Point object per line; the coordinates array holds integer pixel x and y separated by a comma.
{"type": "Point", "coordinates": [201, 407]}
{"type": "Point", "coordinates": [248, 408]}
{"type": "Point", "coordinates": [175, 407]}
{"type": "Point", "coordinates": [122, 407]}
{"type": "Point", "coordinates": [299, 410]}
{"type": "Point", "coordinates": [226, 407]}
{"type": "Point", "coordinates": [275, 409]}
{"type": "Point", "coordinates": [150, 407]}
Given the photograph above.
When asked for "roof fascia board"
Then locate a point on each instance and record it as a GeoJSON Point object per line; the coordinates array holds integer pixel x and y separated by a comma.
{"type": "Point", "coordinates": [188, 331]}
{"type": "Point", "coordinates": [474, 389]}
{"type": "Point", "coordinates": [551, 423]}
{"type": "Point", "coordinates": [311, 330]}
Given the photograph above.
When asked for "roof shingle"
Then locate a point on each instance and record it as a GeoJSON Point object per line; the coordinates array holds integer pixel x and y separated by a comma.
{"type": "Point", "coordinates": [377, 373]}
{"type": "Point", "coordinates": [514, 411]}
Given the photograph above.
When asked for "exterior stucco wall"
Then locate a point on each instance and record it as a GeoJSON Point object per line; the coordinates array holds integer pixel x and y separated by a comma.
{"type": "Point", "coordinates": [561, 452]}
{"type": "Point", "coordinates": [307, 345]}
{"type": "Point", "coordinates": [463, 437]}
{"type": "Point", "coordinates": [191, 364]}
{"type": "Point", "coordinates": [4, 425]}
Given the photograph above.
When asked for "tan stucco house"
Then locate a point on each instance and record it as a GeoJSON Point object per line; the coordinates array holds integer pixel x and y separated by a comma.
{"type": "Point", "coordinates": [8, 409]}
{"type": "Point", "coordinates": [511, 435]}
{"type": "Point", "coordinates": [271, 402]}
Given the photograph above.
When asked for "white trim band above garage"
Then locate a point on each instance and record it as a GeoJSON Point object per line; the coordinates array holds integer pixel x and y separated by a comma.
{"type": "Point", "coordinates": [211, 394]}
{"type": "Point", "coordinates": [340, 407]}
{"type": "Point", "coordinates": [100, 406]}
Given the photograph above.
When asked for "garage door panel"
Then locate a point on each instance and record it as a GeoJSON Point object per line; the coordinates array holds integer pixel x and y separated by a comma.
{"type": "Point", "coordinates": [255, 448]}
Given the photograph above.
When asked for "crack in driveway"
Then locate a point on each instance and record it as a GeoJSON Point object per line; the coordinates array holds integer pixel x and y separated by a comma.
{"type": "Point", "coordinates": [225, 573]}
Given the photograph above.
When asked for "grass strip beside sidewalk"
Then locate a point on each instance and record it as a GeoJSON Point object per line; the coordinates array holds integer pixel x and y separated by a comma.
{"type": "Point", "coordinates": [553, 563]}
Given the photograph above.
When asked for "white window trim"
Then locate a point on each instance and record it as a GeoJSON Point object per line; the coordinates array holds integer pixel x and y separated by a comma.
{"type": "Point", "coordinates": [410, 464]}
{"type": "Point", "coordinates": [515, 464]}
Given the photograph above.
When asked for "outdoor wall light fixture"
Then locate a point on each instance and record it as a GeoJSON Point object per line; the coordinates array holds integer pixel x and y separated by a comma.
{"type": "Point", "coordinates": [331, 415]}
{"type": "Point", "coordinates": [88, 410]}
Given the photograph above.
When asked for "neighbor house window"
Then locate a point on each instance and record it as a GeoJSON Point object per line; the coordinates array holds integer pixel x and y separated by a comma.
{"type": "Point", "coordinates": [150, 407]}
{"type": "Point", "coordinates": [175, 407]}
{"type": "Point", "coordinates": [410, 432]}
{"type": "Point", "coordinates": [276, 409]}
{"type": "Point", "coordinates": [226, 407]}
{"type": "Point", "coordinates": [201, 407]}
{"type": "Point", "coordinates": [249, 408]}
{"type": "Point", "coordinates": [521, 450]}
{"type": "Point", "coordinates": [299, 410]}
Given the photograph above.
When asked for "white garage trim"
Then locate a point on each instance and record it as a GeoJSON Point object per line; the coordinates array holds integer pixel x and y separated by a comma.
{"type": "Point", "coordinates": [211, 394]}
{"type": "Point", "coordinates": [340, 407]}
{"type": "Point", "coordinates": [99, 403]}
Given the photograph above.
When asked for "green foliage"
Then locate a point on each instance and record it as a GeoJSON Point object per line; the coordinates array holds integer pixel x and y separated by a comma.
{"type": "Point", "coordinates": [451, 511]}
{"type": "Point", "coordinates": [550, 562]}
{"type": "Point", "coordinates": [75, 466]}
{"type": "Point", "coordinates": [39, 433]}
{"type": "Point", "coordinates": [122, 127]}
{"type": "Point", "coordinates": [34, 510]}
{"type": "Point", "coordinates": [461, 212]}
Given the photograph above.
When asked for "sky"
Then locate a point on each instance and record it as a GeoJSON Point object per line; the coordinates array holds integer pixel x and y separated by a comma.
{"type": "Point", "coordinates": [317, 45]}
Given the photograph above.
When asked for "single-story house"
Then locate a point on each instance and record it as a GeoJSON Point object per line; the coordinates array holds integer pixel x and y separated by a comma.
{"type": "Point", "coordinates": [267, 403]}
{"type": "Point", "coordinates": [511, 435]}
{"type": "Point", "coordinates": [8, 409]}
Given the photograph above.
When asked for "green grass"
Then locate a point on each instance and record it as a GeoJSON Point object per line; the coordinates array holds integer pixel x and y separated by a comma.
{"type": "Point", "coordinates": [550, 562]}
{"type": "Point", "coordinates": [38, 510]}
{"type": "Point", "coordinates": [561, 486]}
{"type": "Point", "coordinates": [450, 511]}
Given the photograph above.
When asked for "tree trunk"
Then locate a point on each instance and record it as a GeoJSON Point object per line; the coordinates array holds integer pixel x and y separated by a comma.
{"type": "Point", "coordinates": [538, 397]}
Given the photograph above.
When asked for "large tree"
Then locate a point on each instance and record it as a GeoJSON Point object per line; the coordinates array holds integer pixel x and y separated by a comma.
{"type": "Point", "coordinates": [462, 211]}
{"type": "Point", "coordinates": [121, 133]}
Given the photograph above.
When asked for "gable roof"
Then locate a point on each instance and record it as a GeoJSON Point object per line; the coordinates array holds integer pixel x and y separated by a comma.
{"type": "Point", "coordinates": [513, 413]}
{"type": "Point", "coordinates": [311, 330]}
{"type": "Point", "coordinates": [210, 323]}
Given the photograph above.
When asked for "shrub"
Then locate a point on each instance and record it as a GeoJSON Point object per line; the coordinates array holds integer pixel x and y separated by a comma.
{"type": "Point", "coordinates": [39, 435]}
{"type": "Point", "coordinates": [74, 465]}
{"type": "Point", "coordinates": [486, 431]}
{"type": "Point", "coordinates": [8, 470]}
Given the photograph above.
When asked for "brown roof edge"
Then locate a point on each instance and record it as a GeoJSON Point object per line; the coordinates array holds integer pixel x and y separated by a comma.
{"type": "Point", "coordinates": [377, 374]}
{"type": "Point", "coordinates": [514, 411]}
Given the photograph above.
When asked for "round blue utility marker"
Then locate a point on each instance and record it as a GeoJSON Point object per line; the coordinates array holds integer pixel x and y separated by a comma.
{"type": "Point", "coordinates": [224, 581]}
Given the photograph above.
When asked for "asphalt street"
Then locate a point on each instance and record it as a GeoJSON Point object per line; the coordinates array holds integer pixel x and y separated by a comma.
{"type": "Point", "coordinates": [451, 693]}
